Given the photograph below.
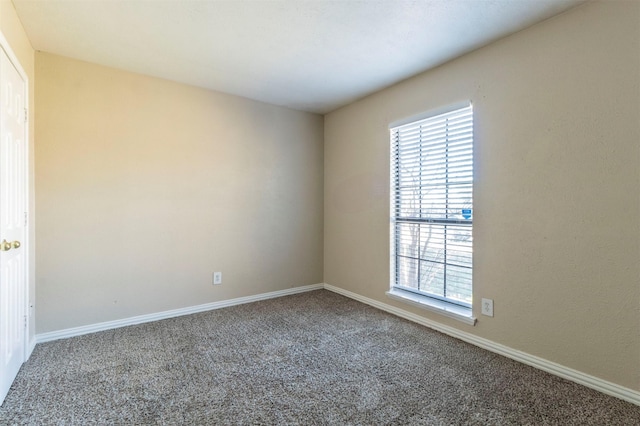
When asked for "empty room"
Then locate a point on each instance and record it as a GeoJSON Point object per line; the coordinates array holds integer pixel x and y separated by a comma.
{"type": "Point", "coordinates": [329, 212]}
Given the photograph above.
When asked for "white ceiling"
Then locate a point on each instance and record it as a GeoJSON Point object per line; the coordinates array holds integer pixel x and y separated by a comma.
{"type": "Point", "coordinates": [312, 55]}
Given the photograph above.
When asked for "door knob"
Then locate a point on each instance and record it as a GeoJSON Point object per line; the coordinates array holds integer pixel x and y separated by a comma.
{"type": "Point", "coordinates": [5, 246]}
{"type": "Point", "coordinates": [15, 244]}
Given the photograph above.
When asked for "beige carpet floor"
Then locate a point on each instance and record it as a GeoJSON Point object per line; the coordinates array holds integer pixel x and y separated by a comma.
{"type": "Point", "coordinates": [311, 359]}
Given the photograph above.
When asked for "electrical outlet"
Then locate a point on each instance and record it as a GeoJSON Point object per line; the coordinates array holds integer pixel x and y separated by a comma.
{"type": "Point", "coordinates": [217, 278]}
{"type": "Point", "coordinates": [487, 307]}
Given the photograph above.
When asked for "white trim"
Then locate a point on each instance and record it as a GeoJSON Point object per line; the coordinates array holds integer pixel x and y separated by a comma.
{"type": "Point", "coordinates": [14, 60]}
{"type": "Point", "coordinates": [92, 328]}
{"type": "Point", "coordinates": [32, 346]}
{"type": "Point", "coordinates": [584, 379]}
{"type": "Point", "coordinates": [439, 307]}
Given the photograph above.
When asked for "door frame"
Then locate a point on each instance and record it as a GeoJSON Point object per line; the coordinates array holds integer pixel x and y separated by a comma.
{"type": "Point", "coordinates": [29, 341]}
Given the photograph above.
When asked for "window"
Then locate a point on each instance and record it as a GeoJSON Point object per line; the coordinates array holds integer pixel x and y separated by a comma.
{"type": "Point", "coordinates": [432, 210]}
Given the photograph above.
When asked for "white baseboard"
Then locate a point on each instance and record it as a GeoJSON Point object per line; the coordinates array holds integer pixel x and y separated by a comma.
{"type": "Point", "coordinates": [31, 347]}
{"type": "Point", "coordinates": [92, 328]}
{"type": "Point", "coordinates": [592, 382]}
{"type": "Point", "coordinates": [576, 376]}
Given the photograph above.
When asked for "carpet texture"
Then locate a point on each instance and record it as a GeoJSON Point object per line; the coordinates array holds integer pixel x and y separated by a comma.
{"type": "Point", "coordinates": [312, 358]}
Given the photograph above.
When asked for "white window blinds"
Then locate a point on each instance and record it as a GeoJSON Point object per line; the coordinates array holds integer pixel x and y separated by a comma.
{"type": "Point", "coordinates": [432, 206]}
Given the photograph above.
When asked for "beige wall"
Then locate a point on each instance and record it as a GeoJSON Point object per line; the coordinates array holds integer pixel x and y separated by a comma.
{"type": "Point", "coordinates": [12, 30]}
{"type": "Point", "coordinates": [145, 187]}
{"type": "Point", "coordinates": [557, 178]}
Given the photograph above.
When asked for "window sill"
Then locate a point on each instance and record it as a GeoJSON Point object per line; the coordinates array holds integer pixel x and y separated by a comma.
{"type": "Point", "coordinates": [459, 313]}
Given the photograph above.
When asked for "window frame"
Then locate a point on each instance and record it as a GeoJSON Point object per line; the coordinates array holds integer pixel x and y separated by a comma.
{"type": "Point", "coordinates": [457, 309]}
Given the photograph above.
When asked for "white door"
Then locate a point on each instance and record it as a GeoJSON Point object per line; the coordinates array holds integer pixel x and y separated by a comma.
{"type": "Point", "coordinates": [13, 219]}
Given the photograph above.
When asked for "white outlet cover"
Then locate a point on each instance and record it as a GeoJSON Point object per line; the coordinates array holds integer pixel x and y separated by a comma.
{"type": "Point", "coordinates": [487, 307]}
{"type": "Point", "coordinates": [217, 278]}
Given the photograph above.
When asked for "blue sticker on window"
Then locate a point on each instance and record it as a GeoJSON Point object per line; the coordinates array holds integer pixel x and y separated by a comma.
{"type": "Point", "coordinates": [466, 213]}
